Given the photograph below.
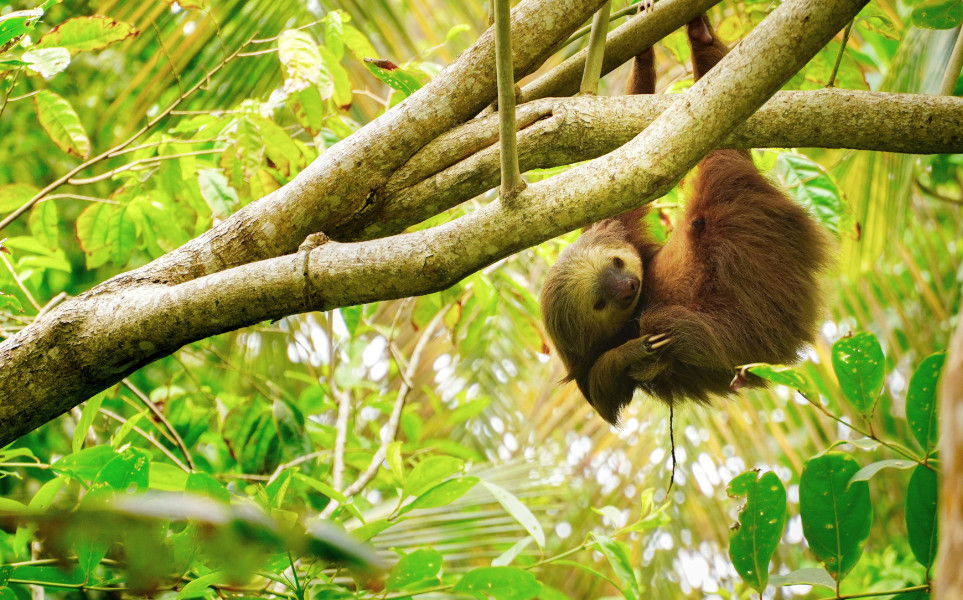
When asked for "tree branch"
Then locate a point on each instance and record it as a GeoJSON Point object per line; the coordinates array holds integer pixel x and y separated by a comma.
{"type": "Point", "coordinates": [463, 163]}
{"type": "Point", "coordinates": [94, 340]}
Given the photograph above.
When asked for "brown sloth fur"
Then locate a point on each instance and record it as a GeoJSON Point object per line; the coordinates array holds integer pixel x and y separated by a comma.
{"type": "Point", "coordinates": [736, 283]}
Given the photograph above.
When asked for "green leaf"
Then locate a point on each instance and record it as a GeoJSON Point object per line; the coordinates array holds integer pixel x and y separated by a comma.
{"type": "Point", "coordinates": [44, 224]}
{"type": "Point", "coordinates": [369, 530]}
{"type": "Point", "coordinates": [16, 24]}
{"type": "Point", "coordinates": [393, 456]}
{"type": "Point", "coordinates": [787, 376]}
{"type": "Point", "coordinates": [836, 514]}
{"type": "Point", "coordinates": [82, 34]}
{"type": "Point", "coordinates": [357, 43]}
{"type": "Point", "coordinates": [87, 416]}
{"type": "Point", "coordinates": [922, 412]}
{"type": "Point", "coordinates": [394, 76]}
{"type": "Point", "coordinates": [499, 583]}
{"type": "Point", "coordinates": [870, 470]}
{"type": "Point", "coordinates": [761, 523]}
{"type": "Point", "coordinates": [340, 82]}
{"type": "Point", "coordinates": [61, 123]}
{"type": "Point", "coordinates": [429, 473]}
{"type": "Point", "coordinates": [415, 571]}
{"type": "Point", "coordinates": [617, 555]}
{"type": "Point", "coordinates": [858, 363]}
{"type": "Point", "coordinates": [218, 194]}
{"type": "Point", "coordinates": [15, 195]}
{"type": "Point", "coordinates": [85, 464]}
{"type": "Point", "coordinates": [333, 34]}
{"type": "Point", "coordinates": [518, 511]}
{"type": "Point", "coordinates": [442, 494]}
{"type": "Point", "coordinates": [921, 519]}
{"type": "Point", "coordinates": [810, 185]}
{"type": "Point", "coordinates": [196, 588]}
{"type": "Point", "coordinates": [122, 233]}
{"type": "Point", "coordinates": [938, 14]}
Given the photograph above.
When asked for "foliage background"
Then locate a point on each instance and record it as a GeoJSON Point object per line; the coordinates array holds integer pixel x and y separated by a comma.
{"type": "Point", "coordinates": [250, 406]}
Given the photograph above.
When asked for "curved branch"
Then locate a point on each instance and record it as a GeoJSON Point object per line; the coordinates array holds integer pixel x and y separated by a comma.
{"type": "Point", "coordinates": [94, 340]}
{"type": "Point", "coordinates": [463, 163]}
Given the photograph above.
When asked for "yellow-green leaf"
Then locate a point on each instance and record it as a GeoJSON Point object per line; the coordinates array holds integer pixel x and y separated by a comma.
{"type": "Point", "coordinates": [82, 34]}
{"type": "Point", "coordinates": [61, 123]}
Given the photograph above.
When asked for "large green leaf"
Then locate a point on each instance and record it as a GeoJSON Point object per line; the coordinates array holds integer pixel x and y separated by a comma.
{"type": "Point", "coordinates": [921, 521]}
{"type": "Point", "coordinates": [499, 583]}
{"type": "Point", "coordinates": [60, 121]}
{"type": "Point", "coordinates": [836, 514]}
{"type": "Point", "coordinates": [761, 523]}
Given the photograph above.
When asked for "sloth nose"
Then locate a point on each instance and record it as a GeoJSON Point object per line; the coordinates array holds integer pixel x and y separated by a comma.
{"type": "Point", "coordinates": [622, 290]}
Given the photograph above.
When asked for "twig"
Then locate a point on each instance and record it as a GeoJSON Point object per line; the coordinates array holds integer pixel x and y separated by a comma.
{"type": "Point", "coordinates": [390, 429]}
{"type": "Point", "coordinates": [20, 285]}
{"type": "Point", "coordinates": [512, 182]}
{"type": "Point", "coordinates": [344, 407]}
{"type": "Point", "coordinates": [149, 438]}
{"type": "Point", "coordinates": [952, 74]}
{"type": "Point", "coordinates": [159, 415]}
{"type": "Point", "coordinates": [839, 55]}
{"type": "Point", "coordinates": [596, 50]}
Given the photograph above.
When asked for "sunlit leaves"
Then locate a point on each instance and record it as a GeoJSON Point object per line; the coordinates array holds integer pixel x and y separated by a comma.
{"type": "Point", "coordinates": [82, 34]}
{"type": "Point", "coordinates": [938, 14]}
{"type": "Point", "coordinates": [61, 123]}
{"type": "Point", "coordinates": [417, 570]}
{"type": "Point", "coordinates": [499, 583]}
{"type": "Point", "coordinates": [810, 185]}
{"type": "Point", "coordinates": [836, 514]}
{"type": "Point", "coordinates": [859, 367]}
{"type": "Point", "coordinates": [619, 559]}
{"type": "Point", "coordinates": [788, 376]}
{"type": "Point", "coordinates": [761, 523]}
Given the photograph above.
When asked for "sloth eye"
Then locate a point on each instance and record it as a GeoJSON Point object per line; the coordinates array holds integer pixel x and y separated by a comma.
{"type": "Point", "coordinates": [599, 305]}
{"type": "Point", "coordinates": [618, 262]}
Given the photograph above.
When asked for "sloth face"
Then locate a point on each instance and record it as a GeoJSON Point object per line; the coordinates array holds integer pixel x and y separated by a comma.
{"type": "Point", "coordinates": [590, 292]}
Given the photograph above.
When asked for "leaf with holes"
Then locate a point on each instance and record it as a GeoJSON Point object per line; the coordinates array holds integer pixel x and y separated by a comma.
{"type": "Point", "coordinates": [761, 522]}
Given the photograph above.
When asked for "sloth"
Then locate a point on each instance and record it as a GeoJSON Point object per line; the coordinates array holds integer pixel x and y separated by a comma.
{"type": "Point", "coordinates": [737, 282]}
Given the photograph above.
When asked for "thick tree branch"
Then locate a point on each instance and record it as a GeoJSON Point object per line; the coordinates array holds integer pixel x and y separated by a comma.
{"type": "Point", "coordinates": [463, 163]}
{"type": "Point", "coordinates": [337, 184]}
{"type": "Point", "coordinates": [93, 341]}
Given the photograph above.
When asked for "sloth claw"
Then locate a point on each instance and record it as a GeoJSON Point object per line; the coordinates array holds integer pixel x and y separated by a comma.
{"type": "Point", "coordinates": [656, 341]}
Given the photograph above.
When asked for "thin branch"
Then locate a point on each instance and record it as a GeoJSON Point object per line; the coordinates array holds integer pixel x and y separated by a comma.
{"type": "Point", "coordinates": [154, 441]}
{"type": "Point", "coordinates": [16, 278]}
{"type": "Point", "coordinates": [390, 430]}
{"type": "Point", "coordinates": [512, 181]}
{"type": "Point", "coordinates": [159, 415]}
{"type": "Point", "coordinates": [952, 74]}
{"type": "Point", "coordinates": [596, 50]}
{"type": "Point", "coordinates": [839, 55]}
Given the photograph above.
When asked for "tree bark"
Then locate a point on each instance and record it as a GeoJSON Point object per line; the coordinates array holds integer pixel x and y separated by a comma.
{"type": "Point", "coordinates": [94, 340]}
{"type": "Point", "coordinates": [948, 584]}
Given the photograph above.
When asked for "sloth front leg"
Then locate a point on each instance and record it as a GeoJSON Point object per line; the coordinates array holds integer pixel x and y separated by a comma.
{"type": "Point", "coordinates": [616, 373]}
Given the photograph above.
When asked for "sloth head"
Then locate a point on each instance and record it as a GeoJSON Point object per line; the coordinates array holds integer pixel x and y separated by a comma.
{"type": "Point", "coordinates": [591, 291]}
